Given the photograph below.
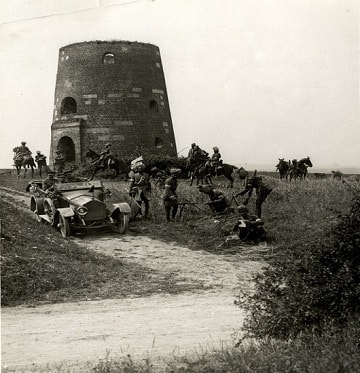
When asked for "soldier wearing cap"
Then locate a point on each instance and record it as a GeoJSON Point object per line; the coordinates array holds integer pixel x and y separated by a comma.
{"type": "Point", "coordinates": [22, 150]}
{"type": "Point", "coordinates": [216, 161]}
{"type": "Point", "coordinates": [105, 156]}
{"type": "Point", "coordinates": [262, 191]}
{"type": "Point", "coordinates": [218, 203]}
{"type": "Point", "coordinates": [49, 181]}
{"type": "Point", "coordinates": [140, 188]}
{"type": "Point", "coordinates": [169, 196]}
{"type": "Point", "coordinates": [40, 159]}
{"type": "Point", "coordinates": [59, 161]}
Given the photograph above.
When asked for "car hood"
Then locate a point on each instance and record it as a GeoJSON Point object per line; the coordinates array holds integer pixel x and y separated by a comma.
{"type": "Point", "coordinates": [96, 210]}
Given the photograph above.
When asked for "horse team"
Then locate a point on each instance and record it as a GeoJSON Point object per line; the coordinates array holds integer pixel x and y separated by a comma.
{"type": "Point", "coordinates": [294, 169]}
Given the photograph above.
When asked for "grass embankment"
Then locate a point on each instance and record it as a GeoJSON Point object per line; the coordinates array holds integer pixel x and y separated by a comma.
{"type": "Point", "coordinates": [38, 265]}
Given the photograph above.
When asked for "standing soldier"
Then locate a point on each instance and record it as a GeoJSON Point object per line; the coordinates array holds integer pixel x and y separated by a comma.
{"type": "Point", "coordinates": [262, 191]}
{"type": "Point", "coordinates": [169, 196]}
{"type": "Point", "coordinates": [59, 161]}
{"type": "Point", "coordinates": [140, 188]}
{"type": "Point", "coordinates": [40, 159]}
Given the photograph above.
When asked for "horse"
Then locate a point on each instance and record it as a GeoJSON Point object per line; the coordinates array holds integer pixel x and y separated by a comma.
{"type": "Point", "coordinates": [283, 168]}
{"type": "Point", "coordinates": [114, 164]}
{"type": "Point", "coordinates": [299, 170]}
{"type": "Point", "coordinates": [206, 172]}
{"type": "Point", "coordinates": [26, 161]}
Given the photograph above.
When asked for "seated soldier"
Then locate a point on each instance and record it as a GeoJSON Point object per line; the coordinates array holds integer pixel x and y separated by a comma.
{"type": "Point", "coordinates": [49, 181]}
{"type": "Point", "coordinates": [218, 203]}
{"type": "Point", "coordinates": [249, 227]}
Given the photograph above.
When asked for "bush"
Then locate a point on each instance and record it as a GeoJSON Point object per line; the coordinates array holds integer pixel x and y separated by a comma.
{"type": "Point", "coordinates": [313, 285]}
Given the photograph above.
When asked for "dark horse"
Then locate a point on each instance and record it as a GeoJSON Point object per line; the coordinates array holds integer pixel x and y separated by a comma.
{"type": "Point", "coordinates": [283, 168]}
{"type": "Point", "coordinates": [205, 172]}
{"type": "Point", "coordinates": [23, 160]}
{"type": "Point", "coordinates": [114, 165]}
{"type": "Point", "coordinates": [299, 170]}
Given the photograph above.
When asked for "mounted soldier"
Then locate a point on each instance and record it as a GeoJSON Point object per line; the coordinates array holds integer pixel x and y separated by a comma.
{"type": "Point", "coordinates": [216, 161]}
{"type": "Point", "coordinates": [106, 156]}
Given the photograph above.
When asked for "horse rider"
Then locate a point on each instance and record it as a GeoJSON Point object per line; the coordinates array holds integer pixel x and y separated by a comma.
{"type": "Point", "coordinates": [191, 150]}
{"type": "Point", "coordinates": [169, 197]}
{"type": "Point", "coordinates": [216, 161]}
{"type": "Point", "coordinates": [59, 161]}
{"type": "Point", "coordinates": [105, 156]}
{"type": "Point", "coordinates": [23, 149]}
{"type": "Point", "coordinates": [218, 203]}
{"type": "Point", "coordinates": [262, 191]}
{"type": "Point", "coordinates": [140, 188]}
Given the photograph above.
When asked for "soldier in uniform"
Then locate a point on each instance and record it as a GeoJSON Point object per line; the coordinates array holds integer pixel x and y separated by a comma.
{"type": "Point", "coordinates": [49, 181]}
{"type": "Point", "coordinates": [140, 188]}
{"type": "Point", "coordinates": [262, 191]}
{"type": "Point", "coordinates": [169, 196]}
{"type": "Point", "coordinates": [70, 178]}
{"type": "Point", "coordinates": [40, 159]}
{"type": "Point", "coordinates": [59, 161]}
{"type": "Point", "coordinates": [218, 203]}
{"type": "Point", "coordinates": [23, 149]}
{"type": "Point", "coordinates": [216, 161]}
{"type": "Point", "coordinates": [105, 156]}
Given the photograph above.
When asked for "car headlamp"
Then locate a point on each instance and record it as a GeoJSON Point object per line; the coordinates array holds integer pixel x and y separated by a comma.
{"type": "Point", "coordinates": [82, 211]}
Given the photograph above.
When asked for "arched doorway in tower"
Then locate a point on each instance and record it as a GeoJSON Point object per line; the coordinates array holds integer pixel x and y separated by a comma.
{"type": "Point", "coordinates": [67, 148]}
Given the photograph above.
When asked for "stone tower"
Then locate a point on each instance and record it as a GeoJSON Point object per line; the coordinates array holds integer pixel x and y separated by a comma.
{"type": "Point", "coordinates": [111, 92]}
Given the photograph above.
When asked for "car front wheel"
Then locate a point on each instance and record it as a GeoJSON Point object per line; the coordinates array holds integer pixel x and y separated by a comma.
{"type": "Point", "coordinates": [122, 223]}
{"type": "Point", "coordinates": [64, 226]}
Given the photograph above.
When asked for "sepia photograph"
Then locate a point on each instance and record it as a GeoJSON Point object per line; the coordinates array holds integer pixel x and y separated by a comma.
{"type": "Point", "coordinates": [180, 186]}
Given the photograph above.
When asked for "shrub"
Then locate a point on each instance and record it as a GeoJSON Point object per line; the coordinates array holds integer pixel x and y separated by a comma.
{"type": "Point", "coordinates": [311, 286]}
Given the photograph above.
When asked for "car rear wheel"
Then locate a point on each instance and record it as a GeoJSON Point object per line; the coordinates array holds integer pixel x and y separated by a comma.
{"type": "Point", "coordinates": [64, 226]}
{"type": "Point", "coordinates": [122, 223]}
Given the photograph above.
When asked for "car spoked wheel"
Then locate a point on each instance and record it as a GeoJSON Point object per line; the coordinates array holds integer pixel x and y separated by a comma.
{"type": "Point", "coordinates": [122, 223]}
{"type": "Point", "coordinates": [64, 226]}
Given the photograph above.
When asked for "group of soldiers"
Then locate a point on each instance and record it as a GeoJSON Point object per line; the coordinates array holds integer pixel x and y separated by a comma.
{"type": "Point", "coordinates": [215, 160]}
{"type": "Point", "coordinates": [23, 151]}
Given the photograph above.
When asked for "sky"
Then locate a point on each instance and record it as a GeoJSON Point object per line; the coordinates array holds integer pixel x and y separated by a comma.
{"type": "Point", "coordinates": [260, 79]}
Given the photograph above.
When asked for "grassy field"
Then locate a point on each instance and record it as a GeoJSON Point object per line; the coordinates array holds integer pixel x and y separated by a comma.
{"type": "Point", "coordinates": [295, 215]}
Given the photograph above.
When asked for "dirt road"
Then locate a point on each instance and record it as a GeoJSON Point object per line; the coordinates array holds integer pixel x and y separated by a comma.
{"type": "Point", "coordinates": [142, 327]}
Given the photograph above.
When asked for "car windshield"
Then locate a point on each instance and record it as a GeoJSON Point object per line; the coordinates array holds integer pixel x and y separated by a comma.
{"type": "Point", "coordinates": [84, 185]}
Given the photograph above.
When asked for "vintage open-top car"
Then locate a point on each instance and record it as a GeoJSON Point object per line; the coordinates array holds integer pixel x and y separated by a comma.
{"type": "Point", "coordinates": [79, 205]}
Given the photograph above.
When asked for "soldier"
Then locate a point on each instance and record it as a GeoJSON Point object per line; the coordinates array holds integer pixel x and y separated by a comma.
{"type": "Point", "coordinates": [216, 161]}
{"type": "Point", "coordinates": [191, 150]}
{"type": "Point", "coordinates": [105, 156]}
{"type": "Point", "coordinates": [61, 178]}
{"type": "Point", "coordinates": [40, 159]}
{"type": "Point", "coordinates": [262, 191]}
{"type": "Point", "coordinates": [169, 196]}
{"type": "Point", "coordinates": [23, 149]}
{"type": "Point", "coordinates": [218, 203]}
{"type": "Point", "coordinates": [140, 188]}
{"type": "Point", "coordinates": [59, 161]}
{"type": "Point", "coordinates": [49, 181]}
{"type": "Point", "coordinates": [248, 227]}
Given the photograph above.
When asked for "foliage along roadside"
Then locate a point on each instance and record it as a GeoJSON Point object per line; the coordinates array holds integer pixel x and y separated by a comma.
{"type": "Point", "coordinates": [317, 283]}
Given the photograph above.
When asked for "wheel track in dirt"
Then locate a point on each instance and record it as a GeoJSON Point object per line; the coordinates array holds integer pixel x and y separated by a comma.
{"type": "Point", "coordinates": [154, 326]}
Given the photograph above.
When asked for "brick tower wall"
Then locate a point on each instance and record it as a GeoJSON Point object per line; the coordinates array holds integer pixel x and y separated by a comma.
{"type": "Point", "coordinates": [111, 92]}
